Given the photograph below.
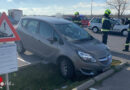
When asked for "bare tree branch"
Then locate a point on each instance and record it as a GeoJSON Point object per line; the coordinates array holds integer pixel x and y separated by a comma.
{"type": "Point", "coordinates": [119, 5]}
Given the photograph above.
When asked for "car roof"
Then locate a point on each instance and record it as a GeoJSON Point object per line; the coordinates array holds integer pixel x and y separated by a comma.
{"type": "Point", "coordinates": [51, 20]}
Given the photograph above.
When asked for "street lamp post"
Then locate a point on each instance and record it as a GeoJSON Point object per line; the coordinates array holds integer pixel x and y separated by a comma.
{"type": "Point", "coordinates": [91, 7]}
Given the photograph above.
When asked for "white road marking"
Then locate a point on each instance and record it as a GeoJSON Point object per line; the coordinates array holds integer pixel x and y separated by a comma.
{"type": "Point", "coordinates": [92, 89]}
{"type": "Point", "coordinates": [23, 60]}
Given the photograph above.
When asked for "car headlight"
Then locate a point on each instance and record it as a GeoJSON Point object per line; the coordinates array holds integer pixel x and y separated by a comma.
{"type": "Point", "coordinates": [86, 57]}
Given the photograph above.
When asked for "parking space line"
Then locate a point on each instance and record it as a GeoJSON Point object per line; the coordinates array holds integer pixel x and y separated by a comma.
{"type": "Point", "coordinates": [23, 60]}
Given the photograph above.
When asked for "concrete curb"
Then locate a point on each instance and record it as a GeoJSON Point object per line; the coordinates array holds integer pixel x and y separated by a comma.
{"type": "Point", "coordinates": [85, 85]}
{"type": "Point", "coordinates": [104, 75]}
{"type": "Point", "coordinates": [100, 77]}
{"type": "Point", "coordinates": [118, 67]}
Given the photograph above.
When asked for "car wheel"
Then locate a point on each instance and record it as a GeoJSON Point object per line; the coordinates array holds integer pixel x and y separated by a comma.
{"type": "Point", "coordinates": [20, 48]}
{"type": "Point", "coordinates": [66, 68]}
{"type": "Point", "coordinates": [124, 32]}
{"type": "Point", "coordinates": [95, 29]}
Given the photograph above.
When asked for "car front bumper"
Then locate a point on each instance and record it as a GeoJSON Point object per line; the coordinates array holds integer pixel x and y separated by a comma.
{"type": "Point", "coordinates": [93, 68]}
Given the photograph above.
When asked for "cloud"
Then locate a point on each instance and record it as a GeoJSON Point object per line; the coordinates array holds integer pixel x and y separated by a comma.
{"type": "Point", "coordinates": [88, 5]}
{"type": "Point", "coordinates": [83, 8]}
{"type": "Point", "coordinates": [9, 0]}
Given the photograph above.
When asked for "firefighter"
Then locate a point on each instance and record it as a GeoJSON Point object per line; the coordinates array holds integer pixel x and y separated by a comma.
{"type": "Point", "coordinates": [106, 25]}
{"type": "Point", "coordinates": [128, 37]}
{"type": "Point", "coordinates": [77, 19]}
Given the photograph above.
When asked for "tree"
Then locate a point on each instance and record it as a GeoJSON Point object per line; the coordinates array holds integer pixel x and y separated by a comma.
{"type": "Point", "coordinates": [119, 5]}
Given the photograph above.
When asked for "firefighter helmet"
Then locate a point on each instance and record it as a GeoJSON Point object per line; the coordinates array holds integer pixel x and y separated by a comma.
{"type": "Point", "coordinates": [76, 13]}
{"type": "Point", "coordinates": [108, 11]}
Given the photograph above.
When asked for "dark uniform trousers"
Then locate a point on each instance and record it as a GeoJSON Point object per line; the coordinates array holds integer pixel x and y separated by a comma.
{"type": "Point", "coordinates": [105, 37]}
{"type": "Point", "coordinates": [127, 42]}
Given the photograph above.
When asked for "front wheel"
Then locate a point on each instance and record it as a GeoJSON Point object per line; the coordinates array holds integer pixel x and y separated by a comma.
{"type": "Point", "coordinates": [95, 29]}
{"type": "Point", "coordinates": [66, 68]}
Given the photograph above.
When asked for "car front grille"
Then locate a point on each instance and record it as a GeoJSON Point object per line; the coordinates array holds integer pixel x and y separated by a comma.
{"type": "Point", "coordinates": [106, 61]}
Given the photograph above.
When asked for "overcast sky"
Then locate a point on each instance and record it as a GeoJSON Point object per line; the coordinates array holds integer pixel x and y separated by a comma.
{"type": "Point", "coordinates": [51, 7]}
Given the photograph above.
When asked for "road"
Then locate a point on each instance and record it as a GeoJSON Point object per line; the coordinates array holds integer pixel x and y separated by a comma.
{"type": "Point", "coordinates": [118, 81]}
{"type": "Point", "coordinates": [116, 44]}
{"type": "Point", "coordinates": [28, 58]}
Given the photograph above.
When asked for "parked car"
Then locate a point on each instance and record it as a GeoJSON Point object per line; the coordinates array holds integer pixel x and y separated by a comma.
{"type": "Point", "coordinates": [84, 21]}
{"type": "Point", "coordinates": [63, 43]}
{"type": "Point", "coordinates": [96, 25]}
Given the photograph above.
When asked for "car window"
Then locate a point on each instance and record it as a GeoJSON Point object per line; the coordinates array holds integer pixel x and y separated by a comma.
{"type": "Point", "coordinates": [45, 30]}
{"type": "Point", "coordinates": [96, 20]}
{"type": "Point", "coordinates": [32, 26]}
{"type": "Point", "coordinates": [73, 32]}
{"type": "Point", "coordinates": [24, 22]}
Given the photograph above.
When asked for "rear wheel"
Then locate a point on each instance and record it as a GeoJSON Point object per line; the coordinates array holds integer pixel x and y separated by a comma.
{"type": "Point", "coordinates": [20, 48]}
{"type": "Point", "coordinates": [66, 68]}
{"type": "Point", "coordinates": [124, 32]}
{"type": "Point", "coordinates": [95, 29]}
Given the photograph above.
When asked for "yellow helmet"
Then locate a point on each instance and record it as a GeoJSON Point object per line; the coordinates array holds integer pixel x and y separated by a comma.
{"type": "Point", "coordinates": [108, 11]}
{"type": "Point", "coordinates": [76, 13]}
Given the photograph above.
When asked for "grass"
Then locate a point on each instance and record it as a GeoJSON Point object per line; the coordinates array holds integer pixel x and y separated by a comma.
{"type": "Point", "coordinates": [115, 62]}
{"type": "Point", "coordinates": [43, 77]}
{"type": "Point", "coordinates": [40, 77]}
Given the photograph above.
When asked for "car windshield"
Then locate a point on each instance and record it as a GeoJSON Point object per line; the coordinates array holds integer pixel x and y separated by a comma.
{"type": "Point", "coordinates": [73, 32]}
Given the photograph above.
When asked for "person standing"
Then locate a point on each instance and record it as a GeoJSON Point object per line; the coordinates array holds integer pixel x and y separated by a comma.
{"type": "Point", "coordinates": [106, 25]}
{"type": "Point", "coordinates": [128, 36]}
{"type": "Point", "coordinates": [77, 19]}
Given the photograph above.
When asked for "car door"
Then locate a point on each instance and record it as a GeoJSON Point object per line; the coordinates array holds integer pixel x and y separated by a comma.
{"type": "Point", "coordinates": [96, 23]}
{"type": "Point", "coordinates": [29, 34]}
{"type": "Point", "coordinates": [47, 46]}
{"type": "Point", "coordinates": [117, 27]}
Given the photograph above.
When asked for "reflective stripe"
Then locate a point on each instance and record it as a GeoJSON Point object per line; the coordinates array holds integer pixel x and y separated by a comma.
{"type": "Point", "coordinates": [129, 29]}
{"type": "Point", "coordinates": [106, 30]}
{"type": "Point", "coordinates": [127, 44]}
{"type": "Point", "coordinates": [103, 20]}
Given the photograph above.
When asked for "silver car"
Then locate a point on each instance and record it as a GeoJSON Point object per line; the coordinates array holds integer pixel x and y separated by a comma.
{"type": "Point", "coordinates": [63, 43]}
{"type": "Point", "coordinates": [96, 25]}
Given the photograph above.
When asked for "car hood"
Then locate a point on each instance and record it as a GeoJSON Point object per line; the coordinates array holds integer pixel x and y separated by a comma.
{"type": "Point", "coordinates": [125, 26]}
{"type": "Point", "coordinates": [93, 47]}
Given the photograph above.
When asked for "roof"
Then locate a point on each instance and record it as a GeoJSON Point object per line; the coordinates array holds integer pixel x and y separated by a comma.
{"type": "Point", "coordinates": [51, 20]}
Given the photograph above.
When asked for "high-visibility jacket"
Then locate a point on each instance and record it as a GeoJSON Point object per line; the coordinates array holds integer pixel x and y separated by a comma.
{"type": "Point", "coordinates": [77, 20]}
{"type": "Point", "coordinates": [106, 24]}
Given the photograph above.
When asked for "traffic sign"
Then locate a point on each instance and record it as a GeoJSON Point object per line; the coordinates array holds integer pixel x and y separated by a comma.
{"type": "Point", "coordinates": [8, 58]}
{"type": "Point", "coordinates": [7, 31]}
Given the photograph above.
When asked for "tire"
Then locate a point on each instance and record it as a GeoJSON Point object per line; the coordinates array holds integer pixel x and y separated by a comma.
{"type": "Point", "coordinates": [66, 69]}
{"type": "Point", "coordinates": [20, 48]}
{"type": "Point", "coordinates": [124, 32]}
{"type": "Point", "coordinates": [95, 29]}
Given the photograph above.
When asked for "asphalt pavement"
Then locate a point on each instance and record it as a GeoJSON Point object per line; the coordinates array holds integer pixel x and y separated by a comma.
{"type": "Point", "coordinates": [118, 81]}
{"type": "Point", "coordinates": [115, 43]}
{"type": "Point", "coordinates": [28, 58]}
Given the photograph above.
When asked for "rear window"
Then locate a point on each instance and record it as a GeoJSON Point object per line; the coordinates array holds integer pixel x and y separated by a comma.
{"type": "Point", "coordinates": [24, 22]}
{"type": "Point", "coordinates": [32, 26]}
{"type": "Point", "coordinates": [96, 20]}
